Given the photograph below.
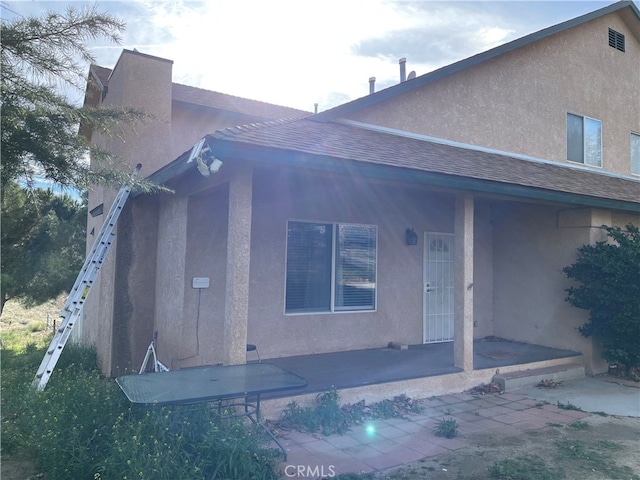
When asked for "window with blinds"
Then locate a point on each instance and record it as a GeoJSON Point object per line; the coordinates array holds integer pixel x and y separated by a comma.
{"type": "Point", "coordinates": [330, 267]}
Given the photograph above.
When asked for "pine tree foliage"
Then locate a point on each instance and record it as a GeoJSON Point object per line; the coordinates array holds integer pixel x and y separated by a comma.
{"type": "Point", "coordinates": [608, 286]}
{"type": "Point", "coordinates": [43, 244]}
{"type": "Point", "coordinates": [43, 234]}
{"type": "Point", "coordinates": [39, 125]}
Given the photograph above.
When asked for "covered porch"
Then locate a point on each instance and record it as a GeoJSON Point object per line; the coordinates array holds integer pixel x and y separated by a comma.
{"type": "Point", "coordinates": [377, 366]}
{"type": "Point", "coordinates": [486, 261]}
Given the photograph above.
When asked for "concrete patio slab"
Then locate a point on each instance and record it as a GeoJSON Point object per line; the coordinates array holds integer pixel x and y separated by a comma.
{"type": "Point", "coordinates": [400, 441]}
{"type": "Point", "coordinates": [592, 394]}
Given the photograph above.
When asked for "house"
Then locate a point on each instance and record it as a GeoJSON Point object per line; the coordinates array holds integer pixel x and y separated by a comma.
{"type": "Point", "coordinates": [181, 115]}
{"type": "Point", "coordinates": [441, 209]}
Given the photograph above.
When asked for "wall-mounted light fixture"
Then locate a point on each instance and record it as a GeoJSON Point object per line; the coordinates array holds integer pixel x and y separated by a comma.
{"type": "Point", "coordinates": [206, 163]}
{"type": "Point", "coordinates": [412, 236]}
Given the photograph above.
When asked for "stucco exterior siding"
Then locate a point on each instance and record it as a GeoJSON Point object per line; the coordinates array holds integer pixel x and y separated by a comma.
{"type": "Point", "coordinates": [189, 124]}
{"type": "Point", "coordinates": [281, 196]}
{"type": "Point", "coordinates": [142, 272]}
{"type": "Point", "coordinates": [532, 246]}
{"type": "Point", "coordinates": [170, 279]}
{"type": "Point", "coordinates": [482, 270]}
{"type": "Point", "coordinates": [206, 258]}
{"type": "Point", "coordinates": [143, 82]}
{"type": "Point", "coordinates": [518, 101]}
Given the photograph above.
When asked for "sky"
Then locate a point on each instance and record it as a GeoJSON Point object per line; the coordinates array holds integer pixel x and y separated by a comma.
{"type": "Point", "coordinates": [298, 53]}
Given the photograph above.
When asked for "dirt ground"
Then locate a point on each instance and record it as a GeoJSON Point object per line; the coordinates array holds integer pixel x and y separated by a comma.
{"type": "Point", "coordinates": [596, 448]}
{"type": "Point", "coordinates": [600, 448]}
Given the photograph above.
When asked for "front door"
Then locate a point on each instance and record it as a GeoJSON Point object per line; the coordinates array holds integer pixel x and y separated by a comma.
{"type": "Point", "coordinates": [438, 287]}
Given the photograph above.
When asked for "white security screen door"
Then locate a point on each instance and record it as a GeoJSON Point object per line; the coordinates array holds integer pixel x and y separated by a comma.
{"type": "Point", "coordinates": [438, 287]}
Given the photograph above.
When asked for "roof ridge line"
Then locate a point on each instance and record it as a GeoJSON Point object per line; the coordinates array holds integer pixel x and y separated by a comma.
{"type": "Point", "coordinates": [239, 97]}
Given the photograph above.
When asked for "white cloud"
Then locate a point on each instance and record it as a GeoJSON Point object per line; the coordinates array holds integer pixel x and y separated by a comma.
{"type": "Point", "coordinates": [288, 52]}
{"type": "Point", "coordinates": [299, 52]}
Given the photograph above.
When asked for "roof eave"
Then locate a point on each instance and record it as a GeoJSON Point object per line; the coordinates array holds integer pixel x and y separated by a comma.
{"type": "Point", "coordinates": [229, 150]}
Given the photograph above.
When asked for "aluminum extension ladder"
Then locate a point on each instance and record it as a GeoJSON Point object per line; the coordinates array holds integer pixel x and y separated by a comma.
{"type": "Point", "coordinates": [72, 308]}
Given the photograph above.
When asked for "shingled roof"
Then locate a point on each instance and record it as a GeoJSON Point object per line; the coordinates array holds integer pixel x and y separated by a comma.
{"type": "Point", "coordinates": [315, 144]}
{"type": "Point", "coordinates": [223, 101]}
{"type": "Point", "coordinates": [101, 74]}
{"type": "Point", "coordinates": [210, 99]}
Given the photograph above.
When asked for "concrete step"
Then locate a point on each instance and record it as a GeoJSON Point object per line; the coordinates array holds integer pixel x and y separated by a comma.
{"type": "Point", "coordinates": [530, 378]}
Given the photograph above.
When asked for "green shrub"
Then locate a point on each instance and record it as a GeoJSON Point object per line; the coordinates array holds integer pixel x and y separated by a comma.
{"type": "Point", "coordinates": [81, 426]}
{"type": "Point", "coordinates": [447, 428]}
{"type": "Point", "coordinates": [568, 406]}
{"type": "Point", "coordinates": [327, 417]}
{"type": "Point", "coordinates": [70, 422]}
{"type": "Point", "coordinates": [18, 370]}
{"type": "Point", "coordinates": [332, 418]}
{"type": "Point", "coordinates": [608, 276]}
{"type": "Point", "coordinates": [189, 443]}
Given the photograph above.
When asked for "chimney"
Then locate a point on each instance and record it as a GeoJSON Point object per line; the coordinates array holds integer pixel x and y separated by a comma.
{"type": "Point", "coordinates": [372, 85]}
{"type": "Point", "coordinates": [403, 69]}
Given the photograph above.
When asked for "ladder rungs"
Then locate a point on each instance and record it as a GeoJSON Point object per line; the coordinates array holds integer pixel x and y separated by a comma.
{"type": "Point", "coordinates": [85, 278]}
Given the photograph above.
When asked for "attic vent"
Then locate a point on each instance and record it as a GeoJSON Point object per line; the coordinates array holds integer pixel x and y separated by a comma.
{"type": "Point", "coordinates": [616, 40]}
{"type": "Point", "coordinates": [97, 210]}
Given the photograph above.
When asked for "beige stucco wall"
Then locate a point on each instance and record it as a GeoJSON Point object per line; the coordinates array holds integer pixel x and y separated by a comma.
{"type": "Point", "coordinates": [170, 277]}
{"type": "Point", "coordinates": [278, 198]}
{"type": "Point", "coordinates": [483, 270]}
{"type": "Point", "coordinates": [206, 257]}
{"type": "Point", "coordinates": [121, 328]}
{"type": "Point", "coordinates": [143, 82]}
{"type": "Point", "coordinates": [518, 101]}
{"type": "Point", "coordinates": [532, 244]}
{"type": "Point", "coordinates": [190, 123]}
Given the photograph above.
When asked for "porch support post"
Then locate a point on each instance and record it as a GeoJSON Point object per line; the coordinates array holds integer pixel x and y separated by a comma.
{"type": "Point", "coordinates": [463, 283]}
{"type": "Point", "coordinates": [236, 309]}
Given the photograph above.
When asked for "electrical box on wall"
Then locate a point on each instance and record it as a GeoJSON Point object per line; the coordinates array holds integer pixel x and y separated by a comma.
{"type": "Point", "coordinates": [200, 282]}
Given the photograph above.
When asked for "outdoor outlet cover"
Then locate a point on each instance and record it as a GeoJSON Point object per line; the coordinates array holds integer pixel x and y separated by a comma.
{"type": "Point", "coordinates": [200, 282]}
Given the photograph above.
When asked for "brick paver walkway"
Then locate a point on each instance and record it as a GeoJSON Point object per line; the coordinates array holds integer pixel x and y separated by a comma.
{"type": "Point", "coordinates": [394, 442]}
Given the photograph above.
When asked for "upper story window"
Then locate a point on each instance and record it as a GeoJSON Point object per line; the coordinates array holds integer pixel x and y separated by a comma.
{"type": "Point", "coordinates": [635, 153]}
{"type": "Point", "coordinates": [616, 40]}
{"type": "Point", "coordinates": [330, 267]}
{"type": "Point", "coordinates": [584, 140]}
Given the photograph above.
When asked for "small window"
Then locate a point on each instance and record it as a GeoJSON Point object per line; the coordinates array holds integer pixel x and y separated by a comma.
{"type": "Point", "coordinates": [584, 140]}
{"type": "Point", "coordinates": [330, 267]}
{"type": "Point", "coordinates": [635, 153]}
{"type": "Point", "coordinates": [616, 40]}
